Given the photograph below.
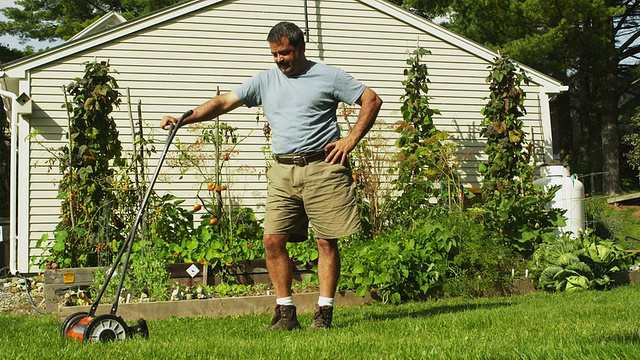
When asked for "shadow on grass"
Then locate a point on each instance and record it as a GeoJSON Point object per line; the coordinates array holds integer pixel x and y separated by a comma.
{"type": "Point", "coordinates": [632, 337]}
{"type": "Point", "coordinates": [397, 312]}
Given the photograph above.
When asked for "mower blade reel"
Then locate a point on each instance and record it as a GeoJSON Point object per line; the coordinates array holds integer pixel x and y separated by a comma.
{"type": "Point", "coordinates": [72, 321]}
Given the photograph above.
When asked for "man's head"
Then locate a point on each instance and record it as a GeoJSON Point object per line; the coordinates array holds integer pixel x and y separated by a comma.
{"type": "Point", "coordinates": [286, 41]}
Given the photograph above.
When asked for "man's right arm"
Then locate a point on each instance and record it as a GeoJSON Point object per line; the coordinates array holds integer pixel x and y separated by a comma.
{"type": "Point", "coordinates": [211, 109]}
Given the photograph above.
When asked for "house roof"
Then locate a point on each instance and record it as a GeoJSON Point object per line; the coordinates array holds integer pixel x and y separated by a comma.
{"type": "Point", "coordinates": [109, 20]}
{"type": "Point", "coordinates": [108, 30]}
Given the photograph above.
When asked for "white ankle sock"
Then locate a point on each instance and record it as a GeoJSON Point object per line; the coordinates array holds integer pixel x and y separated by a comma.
{"type": "Point", "coordinates": [325, 301]}
{"type": "Point", "coordinates": [285, 301]}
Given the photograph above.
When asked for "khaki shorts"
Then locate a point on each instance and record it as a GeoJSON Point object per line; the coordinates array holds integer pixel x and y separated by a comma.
{"type": "Point", "coordinates": [319, 193]}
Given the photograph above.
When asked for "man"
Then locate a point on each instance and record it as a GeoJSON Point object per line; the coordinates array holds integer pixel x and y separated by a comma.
{"type": "Point", "coordinates": [310, 181]}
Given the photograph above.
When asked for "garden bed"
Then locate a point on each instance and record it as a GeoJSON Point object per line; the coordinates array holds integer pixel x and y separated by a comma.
{"type": "Point", "coordinates": [59, 282]}
{"type": "Point", "coordinates": [252, 273]}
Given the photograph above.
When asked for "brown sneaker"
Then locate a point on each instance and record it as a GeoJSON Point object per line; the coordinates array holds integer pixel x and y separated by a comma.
{"type": "Point", "coordinates": [285, 318]}
{"type": "Point", "coordinates": [322, 317]}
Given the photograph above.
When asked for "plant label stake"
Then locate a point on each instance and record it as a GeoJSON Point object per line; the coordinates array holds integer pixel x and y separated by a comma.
{"type": "Point", "coordinates": [193, 270]}
{"type": "Point", "coordinates": [83, 326]}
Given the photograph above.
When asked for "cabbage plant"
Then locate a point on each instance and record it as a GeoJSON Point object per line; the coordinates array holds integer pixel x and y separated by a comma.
{"type": "Point", "coordinates": [582, 263]}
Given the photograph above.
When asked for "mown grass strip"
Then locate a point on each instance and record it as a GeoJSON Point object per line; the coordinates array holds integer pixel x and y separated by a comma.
{"type": "Point", "coordinates": [586, 325]}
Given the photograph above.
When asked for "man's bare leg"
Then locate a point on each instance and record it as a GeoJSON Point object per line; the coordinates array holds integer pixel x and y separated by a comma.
{"type": "Point", "coordinates": [328, 267]}
{"type": "Point", "coordinates": [281, 273]}
{"type": "Point", "coordinates": [278, 264]}
{"type": "Point", "coordinates": [328, 275]}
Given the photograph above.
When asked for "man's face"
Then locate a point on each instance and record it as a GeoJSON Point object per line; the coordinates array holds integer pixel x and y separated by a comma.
{"type": "Point", "coordinates": [290, 60]}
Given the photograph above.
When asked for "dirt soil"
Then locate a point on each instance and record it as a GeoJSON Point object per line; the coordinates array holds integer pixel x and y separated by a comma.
{"type": "Point", "coordinates": [14, 298]}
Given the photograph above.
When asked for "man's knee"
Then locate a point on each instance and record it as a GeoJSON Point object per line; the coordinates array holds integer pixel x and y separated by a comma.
{"type": "Point", "coordinates": [275, 242]}
{"type": "Point", "coordinates": [327, 245]}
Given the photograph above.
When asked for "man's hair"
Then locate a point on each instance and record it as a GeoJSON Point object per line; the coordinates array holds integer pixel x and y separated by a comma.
{"type": "Point", "coordinates": [286, 29]}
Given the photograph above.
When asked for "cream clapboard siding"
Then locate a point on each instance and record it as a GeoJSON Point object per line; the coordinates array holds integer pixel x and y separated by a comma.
{"type": "Point", "coordinates": [175, 65]}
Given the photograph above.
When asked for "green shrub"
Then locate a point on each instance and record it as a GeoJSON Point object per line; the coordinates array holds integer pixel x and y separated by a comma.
{"type": "Point", "coordinates": [520, 222]}
{"type": "Point", "coordinates": [482, 266]}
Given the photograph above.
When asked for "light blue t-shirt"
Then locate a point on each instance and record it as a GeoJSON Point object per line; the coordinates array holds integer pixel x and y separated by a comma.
{"type": "Point", "coordinates": [301, 109]}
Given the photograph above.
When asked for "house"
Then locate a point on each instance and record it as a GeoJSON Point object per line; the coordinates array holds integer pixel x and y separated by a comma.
{"type": "Point", "coordinates": [174, 59]}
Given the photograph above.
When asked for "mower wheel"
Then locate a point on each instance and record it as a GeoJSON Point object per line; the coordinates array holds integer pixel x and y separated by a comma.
{"type": "Point", "coordinates": [105, 328]}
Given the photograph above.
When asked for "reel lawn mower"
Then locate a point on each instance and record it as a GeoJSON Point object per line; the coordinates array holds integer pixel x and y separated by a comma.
{"type": "Point", "coordinates": [86, 326]}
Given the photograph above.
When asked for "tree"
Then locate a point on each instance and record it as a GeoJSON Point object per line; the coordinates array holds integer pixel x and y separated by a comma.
{"type": "Point", "coordinates": [7, 54]}
{"type": "Point", "coordinates": [60, 20]}
{"type": "Point", "coordinates": [426, 8]}
{"type": "Point", "coordinates": [590, 45]}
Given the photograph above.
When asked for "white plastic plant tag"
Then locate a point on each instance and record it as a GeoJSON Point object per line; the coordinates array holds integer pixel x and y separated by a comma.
{"type": "Point", "coordinates": [193, 270]}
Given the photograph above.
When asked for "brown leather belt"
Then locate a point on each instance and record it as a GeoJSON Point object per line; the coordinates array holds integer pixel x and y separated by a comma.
{"type": "Point", "coordinates": [301, 159]}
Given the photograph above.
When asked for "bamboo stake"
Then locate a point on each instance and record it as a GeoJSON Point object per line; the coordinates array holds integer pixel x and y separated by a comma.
{"type": "Point", "coordinates": [133, 134]}
{"type": "Point", "coordinates": [141, 142]}
{"type": "Point", "coordinates": [217, 155]}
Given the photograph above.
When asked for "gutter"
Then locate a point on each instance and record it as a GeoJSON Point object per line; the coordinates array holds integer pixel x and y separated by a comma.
{"type": "Point", "coordinates": [13, 185]}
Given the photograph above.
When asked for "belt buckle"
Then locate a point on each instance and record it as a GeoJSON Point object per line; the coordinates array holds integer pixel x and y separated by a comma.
{"type": "Point", "coordinates": [300, 160]}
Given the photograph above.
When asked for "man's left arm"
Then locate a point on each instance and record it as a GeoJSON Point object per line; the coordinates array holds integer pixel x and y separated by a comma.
{"type": "Point", "coordinates": [370, 104]}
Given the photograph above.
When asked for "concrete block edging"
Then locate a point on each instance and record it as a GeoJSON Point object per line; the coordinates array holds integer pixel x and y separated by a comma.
{"type": "Point", "coordinates": [218, 307]}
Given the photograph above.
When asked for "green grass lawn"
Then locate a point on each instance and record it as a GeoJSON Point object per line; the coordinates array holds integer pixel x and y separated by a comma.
{"type": "Point", "coordinates": [629, 224]}
{"type": "Point", "coordinates": [585, 325]}
{"type": "Point", "coordinates": [616, 221]}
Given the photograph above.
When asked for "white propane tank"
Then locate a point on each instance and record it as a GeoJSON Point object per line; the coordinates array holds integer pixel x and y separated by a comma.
{"type": "Point", "coordinates": [569, 197]}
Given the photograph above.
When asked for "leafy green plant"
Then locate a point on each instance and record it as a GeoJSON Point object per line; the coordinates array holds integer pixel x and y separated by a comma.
{"type": "Point", "coordinates": [227, 232]}
{"type": "Point", "coordinates": [100, 278]}
{"type": "Point", "coordinates": [147, 277]}
{"type": "Point", "coordinates": [569, 274]}
{"type": "Point", "coordinates": [507, 170]}
{"type": "Point", "coordinates": [225, 289]}
{"type": "Point", "coordinates": [221, 249]}
{"type": "Point", "coordinates": [427, 162]}
{"type": "Point", "coordinates": [401, 265]}
{"type": "Point", "coordinates": [89, 186]}
{"type": "Point", "coordinates": [515, 207]}
{"type": "Point", "coordinates": [305, 252]}
{"type": "Point", "coordinates": [520, 223]}
{"type": "Point", "coordinates": [168, 223]}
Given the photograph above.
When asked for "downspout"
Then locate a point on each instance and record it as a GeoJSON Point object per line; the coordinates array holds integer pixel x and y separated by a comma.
{"type": "Point", "coordinates": [13, 183]}
{"type": "Point", "coordinates": [545, 112]}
